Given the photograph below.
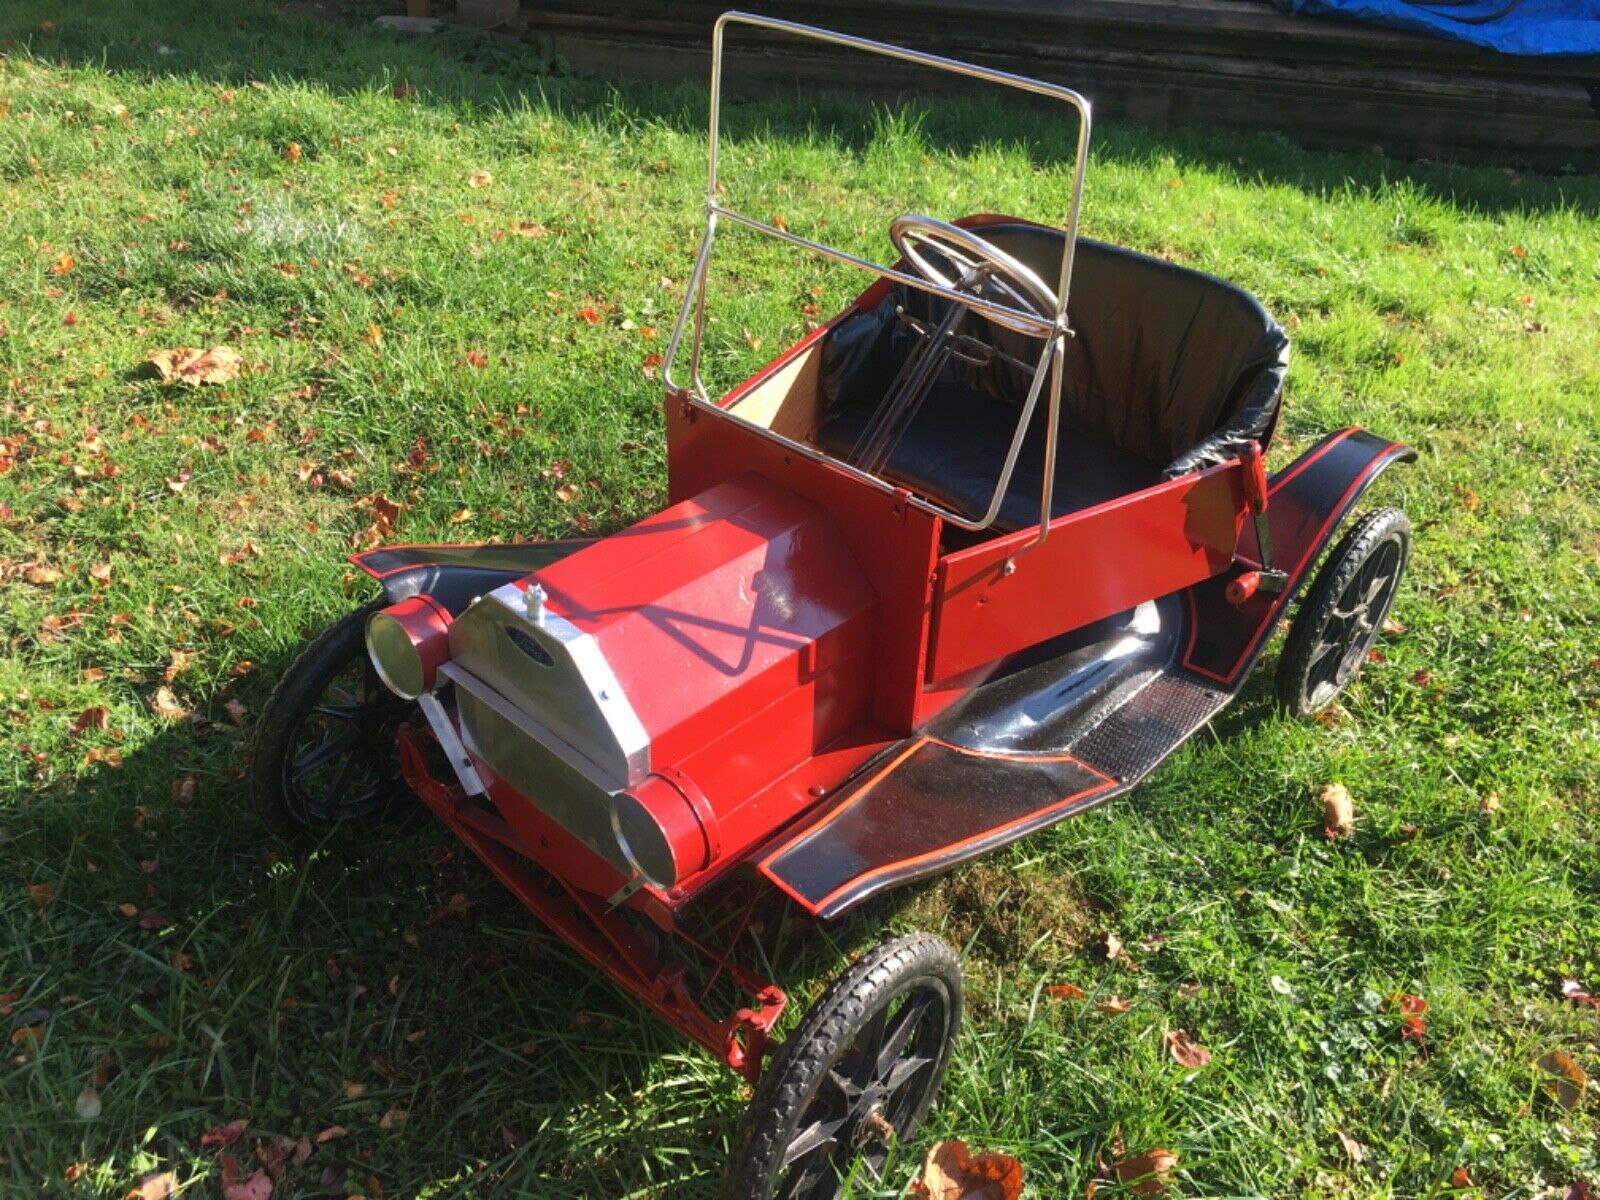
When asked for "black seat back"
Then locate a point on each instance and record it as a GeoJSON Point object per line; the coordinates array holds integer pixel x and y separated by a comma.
{"type": "Point", "coordinates": [1170, 364]}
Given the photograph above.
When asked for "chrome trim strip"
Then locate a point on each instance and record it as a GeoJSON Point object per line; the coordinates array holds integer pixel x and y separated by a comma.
{"type": "Point", "coordinates": [445, 731]}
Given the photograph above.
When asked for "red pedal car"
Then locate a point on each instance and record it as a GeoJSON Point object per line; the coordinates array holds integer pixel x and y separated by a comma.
{"type": "Point", "coordinates": [970, 559]}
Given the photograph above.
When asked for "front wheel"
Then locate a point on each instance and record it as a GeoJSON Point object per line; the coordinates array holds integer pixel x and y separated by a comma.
{"type": "Point", "coordinates": [856, 1078]}
{"type": "Point", "coordinates": [1343, 612]}
{"type": "Point", "coordinates": [325, 749]}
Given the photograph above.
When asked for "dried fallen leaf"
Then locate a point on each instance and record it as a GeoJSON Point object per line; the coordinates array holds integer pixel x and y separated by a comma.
{"type": "Point", "coordinates": [477, 359]}
{"type": "Point", "coordinates": [223, 1136]}
{"type": "Point", "coordinates": [1148, 1173]}
{"type": "Point", "coordinates": [42, 576]}
{"type": "Point", "coordinates": [392, 1119]}
{"type": "Point", "coordinates": [480, 179]}
{"type": "Point", "coordinates": [1113, 1004]}
{"type": "Point", "coordinates": [1567, 1080]}
{"type": "Point", "coordinates": [1338, 814]}
{"type": "Point", "coordinates": [166, 706]}
{"type": "Point", "coordinates": [91, 718]}
{"type": "Point", "coordinates": [528, 229]}
{"type": "Point", "coordinates": [951, 1172]}
{"type": "Point", "coordinates": [292, 152]}
{"type": "Point", "coordinates": [1356, 1151]}
{"type": "Point", "coordinates": [652, 365]}
{"type": "Point", "coordinates": [189, 365]}
{"type": "Point", "coordinates": [42, 895]}
{"type": "Point", "coordinates": [1186, 1052]}
{"type": "Point", "coordinates": [567, 493]}
{"type": "Point", "coordinates": [1063, 991]}
{"type": "Point", "coordinates": [331, 1133]}
{"type": "Point", "coordinates": [257, 1187]}
{"type": "Point", "coordinates": [588, 316]}
{"type": "Point", "coordinates": [1459, 1178]}
{"type": "Point", "coordinates": [156, 1187]}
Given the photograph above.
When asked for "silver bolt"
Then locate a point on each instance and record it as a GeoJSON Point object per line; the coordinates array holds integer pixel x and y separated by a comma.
{"type": "Point", "coordinates": [534, 600]}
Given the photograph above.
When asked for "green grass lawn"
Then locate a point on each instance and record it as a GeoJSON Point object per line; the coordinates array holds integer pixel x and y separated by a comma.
{"type": "Point", "coordinates": [193, 174]}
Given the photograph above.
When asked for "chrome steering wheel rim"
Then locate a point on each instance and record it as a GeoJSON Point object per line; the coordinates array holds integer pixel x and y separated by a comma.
{"type": "Point", "coordinates": [1019, 283]}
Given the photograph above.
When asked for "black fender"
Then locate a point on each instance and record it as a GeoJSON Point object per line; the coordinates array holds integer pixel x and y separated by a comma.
{"type": "Point", "coordinates": [453, 575]}
{"type": "Point", "coordinates": [1306, 503]}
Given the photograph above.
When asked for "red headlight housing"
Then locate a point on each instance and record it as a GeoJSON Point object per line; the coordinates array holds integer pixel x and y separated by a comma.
{"type": "Point", "coordinates": [665, 829]}
{"type": "Point", "coordinates": [408, 643]}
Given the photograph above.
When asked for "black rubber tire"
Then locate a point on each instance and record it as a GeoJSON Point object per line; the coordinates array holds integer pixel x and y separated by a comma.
{"type": "Point", "coordinates": [1380, 541]}
{"type": "Point", "coordinates": [911, 964]}
{"type": "Point", "coordinates": [337, 649]}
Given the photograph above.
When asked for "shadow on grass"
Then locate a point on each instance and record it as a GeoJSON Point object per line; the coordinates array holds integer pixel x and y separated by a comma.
{"type": "Point", "coordinates": [258, 42]}
{"type": "Point", "coordinates": [205, 973]}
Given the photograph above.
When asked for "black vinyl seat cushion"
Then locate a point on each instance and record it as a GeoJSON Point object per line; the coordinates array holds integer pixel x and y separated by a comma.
{"type": "Point", "coordinates": [954, 450]}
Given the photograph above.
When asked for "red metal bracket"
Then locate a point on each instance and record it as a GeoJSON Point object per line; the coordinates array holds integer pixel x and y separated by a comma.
{"type": "Point", "coordinates": [600, 934]}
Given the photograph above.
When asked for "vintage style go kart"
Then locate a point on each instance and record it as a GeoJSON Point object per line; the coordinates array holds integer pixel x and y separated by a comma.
{"type": "Point", "coordinates": [970, 559]}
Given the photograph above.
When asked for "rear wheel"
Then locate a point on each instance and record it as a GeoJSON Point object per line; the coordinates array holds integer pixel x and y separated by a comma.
{"type": "Point", "coordinates": [325, 749]}
{"type": "Point", "coordinates": [856, 1078]}
{"type": "Point", "coordinates": [1344, 611]}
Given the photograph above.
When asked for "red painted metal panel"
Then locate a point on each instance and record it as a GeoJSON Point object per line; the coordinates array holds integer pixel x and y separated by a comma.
{"type": "Point", "coordinates": [717, 608]}
{"type": "Point", "coordinates": [894, 544]}
{"type": "Point", "coordinates": [1096, 562]}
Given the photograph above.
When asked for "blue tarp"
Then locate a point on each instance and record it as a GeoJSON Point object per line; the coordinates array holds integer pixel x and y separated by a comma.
{"type": "Point", "coordinates": [1533, 27]}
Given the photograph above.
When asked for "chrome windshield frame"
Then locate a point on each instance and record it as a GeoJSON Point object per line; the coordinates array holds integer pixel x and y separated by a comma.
{"type": "Point", "coordinates": [1054, 333]}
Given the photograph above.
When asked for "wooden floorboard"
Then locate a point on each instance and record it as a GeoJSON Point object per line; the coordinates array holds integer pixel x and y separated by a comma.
{"type": "Point", "coordinates": [1163, 63]}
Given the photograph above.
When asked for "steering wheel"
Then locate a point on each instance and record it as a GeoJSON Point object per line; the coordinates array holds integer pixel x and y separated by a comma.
{"type": "Point", "coordinates": [978, 261]}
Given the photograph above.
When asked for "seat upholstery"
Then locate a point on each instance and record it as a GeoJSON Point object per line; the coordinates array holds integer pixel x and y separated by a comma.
{"type": "Point", "coordinates": [1169, 370]}
{"type": "Point", "coordinates": [953, 452]}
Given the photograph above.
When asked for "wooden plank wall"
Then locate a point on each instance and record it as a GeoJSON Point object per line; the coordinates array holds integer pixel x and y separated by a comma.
{"type": "Point", "coordinates": [1159, 63]}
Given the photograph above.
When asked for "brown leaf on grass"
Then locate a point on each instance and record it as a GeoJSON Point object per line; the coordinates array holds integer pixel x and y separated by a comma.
{"type": "Point", "coordinates": [165, 705]}
{"type": "Point", "coordinates": [1573, 990]}
{"type": "Point", "coordinates": [1356, 1151]}
{"type": "Point", "coordinates": [91, 718]}
{"type": "Point", "coordinates": [952, 1172]}
{"type": "Point", "coordinates": [477, 359]}
{"type": "Point", "coordinates": [567, 493]}
{"type": "Point", "coordinates": [1148, 1173]}
{"type": "Point", "coordinates": [1063, 991]}
{"type": "Point", "coordinates": [1186, 1052]}
{"type": "Point", "coordinates": [292, 152]}
{"type": "Point", "coordinates": [652, 365]}
{"type": "Point", "coordinates": [392, 1119]}
{"type": "Point", "coordinates": [1566, 1080]}
{"type": "Point", "coordinates": [222, 1136]}
{"type": "Point", "coordinates": [183, 788]}
{"type": "Point", "coordinates": [331, 1133]}
{"type": "Point", "coordinates": [1460, 1178]}
{"type": "Point", "coordinates": [156, 1187]}
{"type": "Point", "coordinates": [1113, 1004]}
{"type": "Point", "coordinates": [479, 179]}
{"type": "Point", "coordinates": [588, 316]}
{"type": "Point", "coordinates": [189, 365]}
{"type": "Point", "coordinates": [237, 712]}
{"type": "Point", "coordinates": [527, 229]}
{"type": "Point", "coordinates": [42, 576]}
{"type": "Point", "coordinates": [1338, 813]}
{"type": "Point", "coordinates": [100, 572]}
{"type": "Point", "coordinates": [257, 1187]}
{"type": "Point", "coordinates": [63, 265]}
{"type": "Point", "coordinates": [1580, 1190]}
{"type": "Point", "coordinates": [42, 895]}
